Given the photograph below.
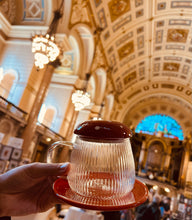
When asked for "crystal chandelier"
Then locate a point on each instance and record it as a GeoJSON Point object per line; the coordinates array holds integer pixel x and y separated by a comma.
{"type": "Point", "coordinates": [45, 50]}
{"type": "Point", "coordinates": [44, 46]}
{"type": "Point", "coordinates": [80, 99]}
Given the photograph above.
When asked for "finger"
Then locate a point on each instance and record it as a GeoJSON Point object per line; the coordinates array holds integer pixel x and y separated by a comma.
{"type": "Point", "coordinates": [36, 170]}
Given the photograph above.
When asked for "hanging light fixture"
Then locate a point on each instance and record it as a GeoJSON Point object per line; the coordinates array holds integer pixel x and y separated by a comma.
{"type": "Point", "coordinates": [45, 50]}
{"type": "Point", "coordinates": [81, 98]}
{"type": "Point", "coordinates": [43, 46]}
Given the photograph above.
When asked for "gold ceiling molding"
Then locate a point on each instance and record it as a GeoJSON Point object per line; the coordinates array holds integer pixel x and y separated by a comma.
{"type": "Point", "coordinates": [8, 8]}
{"type": "Point", "coordinates": [80, 13]}
{"type": "Point", "coordinates": [177, 35]}
{"type": "Point", "coordinates": [118, 8]}
{"type": "Point", "coordinates": [173, 107]}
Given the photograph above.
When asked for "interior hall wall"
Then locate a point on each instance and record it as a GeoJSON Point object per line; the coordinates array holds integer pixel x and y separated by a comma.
{"type": "Point", "coordinates": [17, 56]}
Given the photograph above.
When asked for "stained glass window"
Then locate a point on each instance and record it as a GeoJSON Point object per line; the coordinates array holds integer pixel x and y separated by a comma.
{"type": "Point", "coordinates": [160, 124]}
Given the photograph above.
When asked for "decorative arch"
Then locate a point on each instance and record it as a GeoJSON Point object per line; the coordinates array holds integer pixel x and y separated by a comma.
{"type": "Point", "coordinates": [85, 42]}
{"type": "Point", "coordinates": [160, 125]}
{"type": "Point", "coordinates": [6, 127]}
{"type": "Point", "coordinates": [100, 78]}
{"type": "Point", "coordinates": [109, 101]}
{"type": "Point", "coordinates": [47, 115]}
{"type": "Point", "coordinates": [156, 149]}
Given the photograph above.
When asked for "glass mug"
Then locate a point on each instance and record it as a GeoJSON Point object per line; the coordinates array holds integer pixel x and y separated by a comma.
{"type": "Point", "coordinates": [102, 164]}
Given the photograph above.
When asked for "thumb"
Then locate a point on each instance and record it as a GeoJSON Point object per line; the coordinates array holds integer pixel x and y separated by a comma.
{"type": "Point", "coordinates": [36, 170]}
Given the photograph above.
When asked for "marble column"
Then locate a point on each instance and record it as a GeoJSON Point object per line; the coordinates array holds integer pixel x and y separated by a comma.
{"type": "Point", "coordinates": [31, 89]}
{"type": "Point", "coordinates": [142, 155]}
{"type": "Point", "coordinates": [68, 123]}
{"type": "Point", "coordinates": [29, 131]}
{"type": "Point", "coordinates": [185, 161]}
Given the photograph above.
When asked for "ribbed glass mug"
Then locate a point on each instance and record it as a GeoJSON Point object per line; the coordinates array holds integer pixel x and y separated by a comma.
{"type": "Point", "coordinates": [102, 164]}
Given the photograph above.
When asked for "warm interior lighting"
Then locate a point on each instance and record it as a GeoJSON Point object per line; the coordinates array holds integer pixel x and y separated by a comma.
{"type": "Point", "coordinates": [96, 118]}
{"type": "Point", "coordinates": [45, 50]}
{"type": "Point", "coordinates": [155, 187]}
{"type": "Point", "coordinates": [48, 139]}
{"type": "Point", "coordinates": [44, 46]}
{"type": "Point", "coordinates": [167, 190]}
{"type": "Point", "coordinates": [80, 99]}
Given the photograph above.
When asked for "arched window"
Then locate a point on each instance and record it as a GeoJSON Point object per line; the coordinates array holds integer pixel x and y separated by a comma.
{"type": "Point", "coordinates": [155, 154]}
{"type": "Point", "coordinates": [46, 115]}
{"type": "Point", "coordinates": [160, 124]}
{"type": "Point", "coordinates": [6, 84]}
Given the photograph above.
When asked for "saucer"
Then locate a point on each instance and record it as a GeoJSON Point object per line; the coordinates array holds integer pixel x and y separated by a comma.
{"type": "Point", "coordinates": [136, 197]}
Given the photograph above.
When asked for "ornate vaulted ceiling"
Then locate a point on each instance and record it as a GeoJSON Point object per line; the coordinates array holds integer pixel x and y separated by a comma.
{"type": "Point", "coordinates": [147, 45]}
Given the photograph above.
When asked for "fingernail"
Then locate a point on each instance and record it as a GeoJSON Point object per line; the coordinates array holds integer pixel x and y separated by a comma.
{"type": "Point", "coordinates": [64, 166]}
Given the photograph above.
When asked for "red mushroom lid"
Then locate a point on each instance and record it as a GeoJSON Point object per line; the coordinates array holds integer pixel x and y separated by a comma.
{"type": "Point", "coordinates": [102, 130]}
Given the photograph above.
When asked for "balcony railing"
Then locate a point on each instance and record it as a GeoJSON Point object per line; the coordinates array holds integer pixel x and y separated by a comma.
{"type": "Point", "coordinates": [44, 130]}
{"type": "Point", "coordinates": [12, 109]}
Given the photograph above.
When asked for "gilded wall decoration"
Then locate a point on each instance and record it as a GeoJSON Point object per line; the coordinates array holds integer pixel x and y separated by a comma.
{"type": "Point", "coordinates": [67, 61]}
{"type": "Point", "coordinates": [106, 35]}
{"type": "Point", "coordinates": [119, 85]}
{"type": "Point", "coordinates": [102, 18]}
{"type": "Point", "coordinates": [138, 3]}
{"type": "Point", "coordinates": [171, 67]}
{"type": "Point", "coordinates": [175, 47]}
{"type": "Point", "coordinates": [142, 71]}
{"type": "Point", "coordinates": [181, 4]}
{"type": "Point", "coordinates": [158, 48]}
{"type": "Point", "coordinates": [79, 12]}
{"type": "Point", "coordinates": [98, 60]}
{"type": "Point", "coordinates": [118, 8]}
{"type": "Point", "coordinates": [110, 50]}
{"type": "Point", "coordinates": [140, 42]}
{"type": "Point", "coordinates": [97, 2]}
{"type": "Point", "coordinates": [159, 37]}
{"type": "Point", "coordinates": [156, 67]}
{"type": "Point", "coordinates": [8, 8]}
{"type": "Point", "coordinates": [130, 77]}
{"type": "Point", "coordinates": [188, 61]}
{"type": "Point", "coordinates": [124, 38]}
{"type": "Point", "coordinates": [122, 21]}
{"type": "Point", "coordinates": [173, 58]}
{"type": "Point", "coordinates": [160, 23]}
{"type": "Point", "coordinates": [126, 50]}
{"type": "Point", "coordinates": [140, 30]}
{"type": "Point", "coordinates": [177, 35]}
{"type": "Point", "coordinates": [141, 53]}
{"type": "Point", "coordinates": [161, 6]}
{"type": "Point", "coordinates": [33, 10]}
{"type": "Point", "coordinates": [139, 13]}
{"type": "Point", "coordinates": [180, 22]}
{"type": "Point", "coordinates": [112, 60]}
{"type": "Point", "coordinates": [127, 60]}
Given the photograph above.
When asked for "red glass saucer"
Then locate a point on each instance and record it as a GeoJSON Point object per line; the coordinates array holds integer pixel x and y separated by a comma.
{"type": "Point", "coordinates": [136, 197]}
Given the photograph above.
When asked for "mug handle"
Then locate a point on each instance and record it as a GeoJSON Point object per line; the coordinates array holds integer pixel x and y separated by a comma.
{"type": "Point", "coordinates": [55, 145]}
